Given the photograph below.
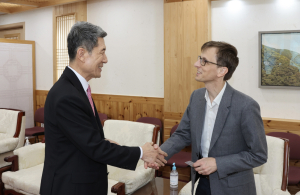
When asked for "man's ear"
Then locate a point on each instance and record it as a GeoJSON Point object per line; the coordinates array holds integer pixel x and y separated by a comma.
{"type": "Point", "coordinates": [80, 54]}
{"type": "Point", "coordinates": [222, 71]}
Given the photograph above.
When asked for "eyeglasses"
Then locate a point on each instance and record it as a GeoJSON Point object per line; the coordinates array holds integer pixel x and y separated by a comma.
{"type": "Point", "coordinates": [204, 61]}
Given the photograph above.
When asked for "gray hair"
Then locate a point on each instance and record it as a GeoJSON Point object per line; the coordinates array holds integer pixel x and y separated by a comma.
{"type": "Point", "coordinates": [85, 35]}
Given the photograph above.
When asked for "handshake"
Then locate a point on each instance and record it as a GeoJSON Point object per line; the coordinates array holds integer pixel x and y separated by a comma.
{"type": "Point", "coordinates": [153, 156]}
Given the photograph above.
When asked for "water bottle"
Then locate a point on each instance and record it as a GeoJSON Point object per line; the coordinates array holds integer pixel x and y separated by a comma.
{"type": "Point", "coordinates": [27, 143]}
{"type": "Point", "coordinates": [173, 191]}
{"type": "Point", "coordinates": [174, 177]}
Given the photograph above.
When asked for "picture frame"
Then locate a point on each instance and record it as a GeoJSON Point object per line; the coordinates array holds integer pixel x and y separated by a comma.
{"type": "Point", "coordinates": [279, 59]}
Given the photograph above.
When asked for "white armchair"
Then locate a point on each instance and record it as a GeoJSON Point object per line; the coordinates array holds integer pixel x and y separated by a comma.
{"type": "Point", "coordinates": [129, 133]}
{"type": "Point", "coordinates": [26, 172]}
{"type": "Point", "coordinates": [271, 177]}
{"type": "Point", "coordinates": [12, 131]}
{"type": "Point", "coordinates": [27, 162]}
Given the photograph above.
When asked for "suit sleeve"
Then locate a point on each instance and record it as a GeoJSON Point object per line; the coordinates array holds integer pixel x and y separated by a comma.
{"type": "Point", "coordinates": [76, 124]}
{"type": "Point", "coordinates": [181, 137]}
{"type": "Point", "coordinates": [254, 135]}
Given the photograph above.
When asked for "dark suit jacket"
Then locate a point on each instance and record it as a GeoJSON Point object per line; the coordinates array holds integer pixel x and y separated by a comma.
{"type": "Point", "coordinates": [238, 141]}
{"type": "Point", "coordinates": [76, 154]}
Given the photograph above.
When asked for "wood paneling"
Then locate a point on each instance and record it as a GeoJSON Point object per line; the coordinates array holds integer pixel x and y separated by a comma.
{"type": "Point", "coordinates": [129, 107]}
{"type": "Point", "coordinates": [281, 125]}
{"type": "Point", "coordinates": [119, 107]}
{"type": "Point", "coordinates": [186, 28]}
{"type": "Point", "coordinates": [41, 96]}
{"type": "Point", "coordinates": [168, 124]}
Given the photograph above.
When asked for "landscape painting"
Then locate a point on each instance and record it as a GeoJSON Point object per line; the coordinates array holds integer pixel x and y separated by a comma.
{"type": "Point", "coordinates": [279, 59]}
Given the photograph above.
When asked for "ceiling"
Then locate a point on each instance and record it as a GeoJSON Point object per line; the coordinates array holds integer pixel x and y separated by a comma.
{"type": "Point", "coordinates": [15, 6]}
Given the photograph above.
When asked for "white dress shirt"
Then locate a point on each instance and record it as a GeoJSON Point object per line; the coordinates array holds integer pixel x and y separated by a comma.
{"type": "Point", "coordinates": [82, 80]}
{"type": "Point", "coordinates": [209, 122]}
{"type": "Point", "coordinates": [85, 86]}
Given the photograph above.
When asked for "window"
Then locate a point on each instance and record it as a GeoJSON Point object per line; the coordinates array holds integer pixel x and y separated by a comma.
{"type": "Point", "coordinates": [63, 26]}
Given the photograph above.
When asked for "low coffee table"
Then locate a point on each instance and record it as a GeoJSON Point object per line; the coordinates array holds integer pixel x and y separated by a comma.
{"type": "Point", "coordinates": [159, 186]}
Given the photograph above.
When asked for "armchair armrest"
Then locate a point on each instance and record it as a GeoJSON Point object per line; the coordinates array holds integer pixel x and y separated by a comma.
{"type": "Point", "coordinates": [14, 162]}
{"type": "Point", "coordinates": [119, 188]}
{"type": "Point", "coordinates": [155, 133]}
{"type": "Point", "coordinates": [2, 170]}
{"type": "Point", "coordinates": [135, 179]}
{"type": "Point", "coordinates": [31, 155]}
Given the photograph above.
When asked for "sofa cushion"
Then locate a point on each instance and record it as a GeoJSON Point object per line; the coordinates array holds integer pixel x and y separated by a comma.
{"type": "Point", "coordinates": [133, 179]}
{"type": "Point", "coordinates": [25, 180]}
{"type": "Point", "coordinates": [7, 143]}
{"type": "Point", "coordinates": [8, 121]}
{"type": "Point", "coordinates": [128, 133]}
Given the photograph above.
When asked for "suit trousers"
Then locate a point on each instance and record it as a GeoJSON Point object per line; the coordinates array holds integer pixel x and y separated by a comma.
{"type": "Point", "coordinates": [203, 187]}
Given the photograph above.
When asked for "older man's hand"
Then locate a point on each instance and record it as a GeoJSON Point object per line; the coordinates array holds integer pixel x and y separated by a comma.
{"type": "Point", "coordinates": [151, 154]}
{"type": "Point", "coordinates": [161, 155]}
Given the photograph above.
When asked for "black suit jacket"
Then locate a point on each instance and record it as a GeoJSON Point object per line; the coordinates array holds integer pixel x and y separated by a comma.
{"type": "Point", "coordinates": [77, 154]}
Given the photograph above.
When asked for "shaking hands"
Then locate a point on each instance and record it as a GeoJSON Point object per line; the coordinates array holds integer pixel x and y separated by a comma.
{"type": "Point", "coordinates": [153, 156]}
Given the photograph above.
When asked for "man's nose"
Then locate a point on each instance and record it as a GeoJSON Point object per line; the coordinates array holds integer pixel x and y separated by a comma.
{"type": "Point", "coordinates": [197, 64]}
{"type": "Point", "coordinates": [105, 60]}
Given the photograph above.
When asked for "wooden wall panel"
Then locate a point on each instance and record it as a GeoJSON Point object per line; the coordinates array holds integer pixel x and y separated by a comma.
{"type": "Point", "coordinates": [186, 28]}
{"type": "Point", "coordinates": [41, 96]}
{"type": "Point", "coordinates": [281, 125]}
{"type": "Point", "coordinates": [119, 107]}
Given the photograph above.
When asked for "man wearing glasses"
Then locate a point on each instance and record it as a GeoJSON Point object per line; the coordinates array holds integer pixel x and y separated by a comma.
{"type": "Point", "coordinates": [224, 127]}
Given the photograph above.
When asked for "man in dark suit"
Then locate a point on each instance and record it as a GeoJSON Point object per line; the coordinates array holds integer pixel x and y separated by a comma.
{"type": "Point", "coordinates": [224, 127]}
{"type": "Point", "coordinates": [77, 152]}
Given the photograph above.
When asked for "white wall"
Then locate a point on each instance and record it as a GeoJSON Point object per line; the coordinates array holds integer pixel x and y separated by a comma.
{"type": "Point", "coordinates": [38, 28]}
{"type": "Point", "coordinates": [135, 46]}
{"type": "Point", "coordinates": [238, 23]}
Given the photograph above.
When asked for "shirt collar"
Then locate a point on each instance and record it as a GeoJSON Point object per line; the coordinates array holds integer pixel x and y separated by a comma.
{"type": "Point", "coordinates": [218, 99]}
{"type": "Point", "coordinates": [82, 80]}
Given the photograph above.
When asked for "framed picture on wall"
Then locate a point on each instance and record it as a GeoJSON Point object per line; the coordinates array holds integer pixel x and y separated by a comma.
{"type": "Point", "coordinates": [279, 59]}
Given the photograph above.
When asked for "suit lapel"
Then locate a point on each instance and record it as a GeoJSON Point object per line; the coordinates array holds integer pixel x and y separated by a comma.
{"type": "Point", "coordinates": [221, 115]}
{"type": "Point", "coordinates": [76, 83]}
{"type": "Point", "coordinates": [201, 107]}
